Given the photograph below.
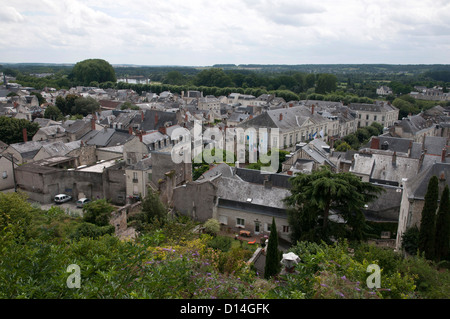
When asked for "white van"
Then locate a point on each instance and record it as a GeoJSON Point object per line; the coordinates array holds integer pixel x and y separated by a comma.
{"type": "Point", "coordinates": [82, 201]}
{"type": "Point", "coordinates": [62, 198]}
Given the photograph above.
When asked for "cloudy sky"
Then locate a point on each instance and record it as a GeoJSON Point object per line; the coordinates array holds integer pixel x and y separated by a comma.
{"type": "Point", "coordinates": [207, 32]}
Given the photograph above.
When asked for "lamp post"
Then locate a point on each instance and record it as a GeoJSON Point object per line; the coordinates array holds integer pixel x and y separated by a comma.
{"type": "Point", "coordinates": [12, 164]}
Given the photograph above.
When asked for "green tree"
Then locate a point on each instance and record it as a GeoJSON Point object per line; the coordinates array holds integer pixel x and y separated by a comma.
{"type": "Point", "coordinates": [314, 196]}
{"type": "Point", "coordinates": [98, 70]}
{"type": "Point", "coordinates": [443, 227]}
{"type": "Point", "coordinates": [326, 83]}
{"type": "Point", "coordinates": [343, 147]}
{"type": "Point", "coordinates": [11, 129]}
{"type": "Point", "coordinates": [410, 240]}
{"type": "Point", "coordinates": [153, 210]}
{"type": "Point", "coordinates": [212, 226]}
{"type": "Point", "coordinates": [213, 77]}
{"type": "Point", "coordinates": [53, 112]}
{"type": "Point", "coordinates": [85, 106]}
{"type": "Point", "coordinates": [272, 266]}
{"type": "Point", "coordinates": [98, 212]}
{"type": "Point", "coordinates": [428, 220]}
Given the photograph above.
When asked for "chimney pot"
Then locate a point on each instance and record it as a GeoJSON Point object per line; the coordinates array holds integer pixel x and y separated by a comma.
{"type": "Point", "coordinates": [25, 134]}
{"type": "Point", "coordinates": [375, 143]}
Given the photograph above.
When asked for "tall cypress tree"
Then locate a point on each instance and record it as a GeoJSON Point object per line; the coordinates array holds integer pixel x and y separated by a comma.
{"type": "Point", "coordinates": [428, 221]}
{"type": "Point", "coordinates": [272, 266]}
{"type": "Point", "coordinates": [443, 227]}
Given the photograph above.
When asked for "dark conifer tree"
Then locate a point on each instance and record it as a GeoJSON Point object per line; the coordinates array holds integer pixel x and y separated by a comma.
{"type": "Point", "coordinates": [428, 220]}
{"type": "Point", "coordinates": [272, 266]}
{"type": "Point", "coordinates": [443, 227]}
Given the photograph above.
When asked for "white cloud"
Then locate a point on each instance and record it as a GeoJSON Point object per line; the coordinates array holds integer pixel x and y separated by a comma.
{"type": "Point", "coordinates": [200, 32]}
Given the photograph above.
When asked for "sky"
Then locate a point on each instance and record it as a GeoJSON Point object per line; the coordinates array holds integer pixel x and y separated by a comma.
{"type": "Point", "coordinates": [208, 32]}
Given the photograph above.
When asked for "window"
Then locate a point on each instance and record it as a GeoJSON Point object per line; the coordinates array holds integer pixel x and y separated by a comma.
{"type": "Point", "coordinates": [223, 220]}
{"type": "Point", "coordinates": [135, 177]}
{"type": "Point", "coordinates": [285, 229]}
{"type": "Point", "coordinates": [374, 117]}
{"type": "Point", "coordinates": [240, 222]}
{"type": "Point", "coordinates": [367, 116]}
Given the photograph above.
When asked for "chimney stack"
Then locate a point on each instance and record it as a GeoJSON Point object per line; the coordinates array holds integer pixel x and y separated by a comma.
{"type": "Point", "coordinates": [375, 143]}
{"type": "Point", "coordinates": [156, 118]}
{"type": "Point", "coordinates": [312, 109]}
{"type": "Point", "coordinates": [142, 116]}
{"type": "Point", "coordinates": [444, 153]}
{"type": "Point", "coordinates": [281, 116]}
{"type": "Point", "coordinates": [130, 130]}
{"type": "Point", "coordinates": [394, 158]}
{"type": "Point", "coordinates": [93, 124]}
{"type": "Point", "coordinates": [25, 135]}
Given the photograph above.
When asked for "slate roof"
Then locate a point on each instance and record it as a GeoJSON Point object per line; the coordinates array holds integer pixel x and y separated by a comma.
{"type": "Point", "coordinates": [387, 206]}
{"type": "Point", "coordinates": [292, 117]}
{"type": "Point", "coordinates": [413, 124]}
{"type": "Point", "coordinates": [149, 123]}
{"type": "Point", "coordinates": [435, 144]}
{"type": "Point", "coordinates": [256, 177]}
{"type": "Point", "coordinates": [418, 184]}
{"type": "Point", "coordinates": [73, 126]}
{"type": "Point", "coordinates": [143, 164]}
{"type": "Point", "coordinates": [239, 191]}
{"type": "Point", "coordinates": [29, 149]}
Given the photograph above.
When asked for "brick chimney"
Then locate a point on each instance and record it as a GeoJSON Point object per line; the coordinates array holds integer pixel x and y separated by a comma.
{"type": "Point", "coordinates": [291, 104]}
{"type": "Point", "coordinates": [281, 116]}
{"type": "Point", "coordinates": [139, 133]}
{"type": "Point", "coordinates": [162, 129]}
{"type": "Point", "coordinates": [375, 143]}
{"type": "Point", "coordinates": [312, 109]}
{"type": "Point", "coordinates": [25, 134]}
{"type": "Point", "coordinates": [156, 118]}
{"type": "Point", "coordinates": [130, 130]}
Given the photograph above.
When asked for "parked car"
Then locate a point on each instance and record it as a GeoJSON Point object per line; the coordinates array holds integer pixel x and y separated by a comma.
{"type": "Point", "coordinates": [62, 198]}
{"type": "Point", "coordinates": [82, 201]}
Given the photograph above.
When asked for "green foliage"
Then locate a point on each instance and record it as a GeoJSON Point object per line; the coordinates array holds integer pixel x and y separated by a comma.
{"type": "Point", "coordinates": [343, 147]}
{"type": "Point", "coordinates": [222, 243]}
{"type": "Point", "coordinates": [326, 83]}
{"type": "Point", "coordinates": [410, 240]}
{"type": "Point", "coordinates": [85, 106]}
{"type": "Point", "coordinates": [91, 231]}
{"type": "Point", "coordinates": [272, 266]}
{"type": "Point", "coordinates": [428, 220]}
{"type": "Point", "coordinates": [153, 211]}
{"type": "Point", "coordinates": [53, 112]}
{"type": "Point", "coordinates": [98, 70]}
{"type": "Point", "coordinates": [98, 212]}
{"type": "Point", "coordinates": [212, 226]}
{"type": "Point", "coordinates": [443, 227]}
{"type": "Point", "coordinates": [11, 129]}
{"type": "Point", "coordinates": [315, 195]}
{"type": "Point", "coordinates": [331, 272]}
